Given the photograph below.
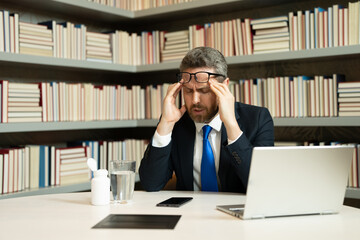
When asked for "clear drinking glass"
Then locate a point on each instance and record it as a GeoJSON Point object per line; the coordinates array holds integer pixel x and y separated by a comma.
{"type": "Point", "coordinates": [122, 178]}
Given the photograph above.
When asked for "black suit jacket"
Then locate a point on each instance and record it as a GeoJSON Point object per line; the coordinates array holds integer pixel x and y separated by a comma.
{"type": "Point", "coordinates": [158, 164]}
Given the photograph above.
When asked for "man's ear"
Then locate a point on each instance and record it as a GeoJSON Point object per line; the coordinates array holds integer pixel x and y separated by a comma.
{"type": "Point", "coordinates": [226, 81]}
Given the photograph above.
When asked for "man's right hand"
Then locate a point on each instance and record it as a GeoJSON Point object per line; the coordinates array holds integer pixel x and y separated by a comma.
{"type": "Point", "coordinates": [170, 112]}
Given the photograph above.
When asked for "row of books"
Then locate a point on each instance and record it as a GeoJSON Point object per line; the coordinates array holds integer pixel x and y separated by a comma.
{"type": "Point", "coordinates": [321, 28]}
{"type": "Point", "coordinates": [137, 5]}
{"type": "Point", "coordinates": [39, 166]}
{"type": "Point", "coordinates": [133, 49]}
{"type": "Point", "coordinates": [61, 101]}
{"type": "Point", "coordinates": [298, 96]}
{"type": "Point", "coordinates": [354, 172]}
{"type": "Point", "coordinates": [349, 98]}
{"type": "Point", "coordinates": [128, 149]}
{"type": "Point", "coordinates": [303, 29]}
{"type": "Point", "coordinates": [309, 29]}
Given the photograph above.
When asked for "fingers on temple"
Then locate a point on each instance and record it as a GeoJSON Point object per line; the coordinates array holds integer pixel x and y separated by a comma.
{"type": "Point", "coordinates": [218, 88]}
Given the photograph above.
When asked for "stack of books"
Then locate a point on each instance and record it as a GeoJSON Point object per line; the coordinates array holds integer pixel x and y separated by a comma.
{"type": "Point", "coordinates": [98, 47]}
{"type": "Point", "coordinates": [24, 104]}
{"type": "Point", "coordinates": [35, 39]}
{"type": "Point", "coordinates": [176, 45]}
{"type": "Point", "coordinates": [71, 165]}
{"type": "Point", "coordinates": [271, 34]}
{"type": "Point", "coordinates": [349, 98]}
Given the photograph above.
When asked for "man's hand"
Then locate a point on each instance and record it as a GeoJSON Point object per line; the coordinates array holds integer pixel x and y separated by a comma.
{"type": "Point", "coordinates": [226, 103]}
{"type": "Point", "coordinates": [170, 112]}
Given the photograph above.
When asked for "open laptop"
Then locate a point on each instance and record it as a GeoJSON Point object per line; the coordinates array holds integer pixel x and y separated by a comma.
{"type": "Point", "coordinates": [301, 180]}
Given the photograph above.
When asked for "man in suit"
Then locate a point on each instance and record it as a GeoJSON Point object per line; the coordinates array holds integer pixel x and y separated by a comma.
{"type": "Point", "coordinates": [177, 145]}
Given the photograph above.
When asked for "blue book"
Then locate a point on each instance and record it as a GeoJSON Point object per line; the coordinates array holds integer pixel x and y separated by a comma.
{"type": "Point", "coordinates": [42, 171]}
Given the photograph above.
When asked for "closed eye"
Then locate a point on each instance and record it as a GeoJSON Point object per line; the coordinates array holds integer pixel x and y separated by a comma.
{"type": "Point", "coordinates": [187, 90]}
{"type": "Point", "coordinates": [204, 90]}
{"type": "Point", "coordinates": [199, 90]}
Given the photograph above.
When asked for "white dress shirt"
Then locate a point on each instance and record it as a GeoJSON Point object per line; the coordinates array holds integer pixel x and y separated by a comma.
{"type": "Point", "coordinates": [214, 139]}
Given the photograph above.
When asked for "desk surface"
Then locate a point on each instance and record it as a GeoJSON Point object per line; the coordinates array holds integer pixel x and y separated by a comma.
{"type": "Point", "coordinates": [71, 216]}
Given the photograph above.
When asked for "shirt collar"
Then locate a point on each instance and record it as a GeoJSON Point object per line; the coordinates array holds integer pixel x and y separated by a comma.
{"type": "Point", "coordinates": [215, 124]}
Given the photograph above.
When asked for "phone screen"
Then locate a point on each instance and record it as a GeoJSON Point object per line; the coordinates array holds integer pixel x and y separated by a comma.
{"type": "Point", "coordinates": [174, 202]}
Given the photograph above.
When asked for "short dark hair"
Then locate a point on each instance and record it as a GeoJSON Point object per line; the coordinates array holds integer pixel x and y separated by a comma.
{"type": "Point", "coordinates": [205, 57]}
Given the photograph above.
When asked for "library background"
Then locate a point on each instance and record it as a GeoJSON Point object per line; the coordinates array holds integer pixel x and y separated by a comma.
{"type": "Point", "coordinates": [85, 78]}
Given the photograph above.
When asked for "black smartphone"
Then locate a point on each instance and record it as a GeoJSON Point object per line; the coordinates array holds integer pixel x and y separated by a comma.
{"type": "Point", "coordinates": [174, 202]}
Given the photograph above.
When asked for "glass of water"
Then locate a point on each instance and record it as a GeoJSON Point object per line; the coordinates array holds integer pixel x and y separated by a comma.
{"type": "Point", "coordinates": [122, 178]}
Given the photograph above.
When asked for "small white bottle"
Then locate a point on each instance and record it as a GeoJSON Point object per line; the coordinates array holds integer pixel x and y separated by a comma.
{"type": "Point", "coordinates": [100, 188]}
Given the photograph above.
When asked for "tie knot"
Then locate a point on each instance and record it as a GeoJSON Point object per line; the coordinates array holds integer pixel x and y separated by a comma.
{"type": "Point", "coordinates": [206, 131]}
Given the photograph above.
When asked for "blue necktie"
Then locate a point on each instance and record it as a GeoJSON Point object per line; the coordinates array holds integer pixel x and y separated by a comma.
{"type": "Point", "coordinates": [208, 171]}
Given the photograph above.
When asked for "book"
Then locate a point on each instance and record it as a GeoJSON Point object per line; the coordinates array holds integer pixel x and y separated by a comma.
{"type": "Point", "coordinates": [1, 172]}
{"type": "Point", "coordinates": [349, 114]}
{"type": "Point", "coordinates": [6, 172]}
{"type": "Point", "coordinates": [75, 178]}
{"type": "Point", "coordinates": [4, 100]}
{"type": "Point", "coordinates": [43, 166]}
{"type": "Point", "coordinates": [349, 99]}
{"type": "Point", "coordinates": [349, 94]}
{"type": "Point", "coordinates": [348, 85]}
{"type": "Point", "coordinates": [271, 45]}
{"type": "Point", "coordinates": [271, 25]}
{"type": "Point", "coordinates": [34, 160]}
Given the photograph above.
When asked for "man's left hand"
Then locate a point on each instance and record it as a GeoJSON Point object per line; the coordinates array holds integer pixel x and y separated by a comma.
{"type": "Point", "coordinates": [226, 103]}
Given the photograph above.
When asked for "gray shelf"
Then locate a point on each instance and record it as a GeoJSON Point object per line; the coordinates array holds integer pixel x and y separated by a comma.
{"type": "Point", "coordinates": [64, 126]}
{"type": "Point", "coordinates": [49, 190]}
{"type": "Point", "coordinates": [54, 190]}
{"type": "Point", "coordinates": [107, 13]}
{"type": "Point", "coordinates": [308, 55]}
{"type": "Point", "coordinates": [53, 62]}
{"type": "Point", "coordinates": [318, 122]}
{"type": "Point", "coordinates": [68, 126]}
{"type": "Point", "coordinates": [318, 53]}
{"type": "Point", "coordinates": [188, 7]}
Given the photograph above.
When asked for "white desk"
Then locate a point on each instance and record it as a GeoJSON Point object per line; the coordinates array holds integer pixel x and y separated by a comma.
{"type": "Point", "coordinates": [70, 216]}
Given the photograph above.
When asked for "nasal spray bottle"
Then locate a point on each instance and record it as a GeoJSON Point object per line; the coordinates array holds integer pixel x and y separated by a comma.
{"type": "Point", "coordinates": [100, 184]}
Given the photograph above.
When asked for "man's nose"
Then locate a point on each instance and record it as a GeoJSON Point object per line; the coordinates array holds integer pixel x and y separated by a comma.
{"type": "Point", "coordinates": [196, 97]}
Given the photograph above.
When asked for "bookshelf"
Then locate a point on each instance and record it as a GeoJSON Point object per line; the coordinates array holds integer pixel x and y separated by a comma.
{"type": "Point", "coordinates": [57, 189]}
{"type": "Point", "coordinates": [316, 61]}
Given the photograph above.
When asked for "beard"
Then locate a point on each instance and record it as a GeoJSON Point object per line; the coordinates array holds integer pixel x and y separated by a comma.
{"type": "Point", "coordinates": [201, 114]}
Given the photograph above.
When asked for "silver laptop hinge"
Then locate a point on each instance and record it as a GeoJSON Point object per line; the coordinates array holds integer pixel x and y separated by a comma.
{"type": "Point", "coordinates": [257, 217]}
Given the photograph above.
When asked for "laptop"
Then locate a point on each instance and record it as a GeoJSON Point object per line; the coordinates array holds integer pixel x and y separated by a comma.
{"type": "Point", "coordinates": [296, 180]}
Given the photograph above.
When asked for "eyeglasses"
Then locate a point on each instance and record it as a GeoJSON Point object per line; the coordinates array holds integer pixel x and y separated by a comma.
{"type": "Point", "coordinates": [200, 77]}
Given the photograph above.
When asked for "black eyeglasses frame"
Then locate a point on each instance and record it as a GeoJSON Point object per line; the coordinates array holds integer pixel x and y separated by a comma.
{"type": "Point", "coordinates": [179, 76]}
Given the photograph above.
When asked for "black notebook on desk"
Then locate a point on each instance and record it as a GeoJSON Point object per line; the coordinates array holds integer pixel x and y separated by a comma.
{"type": "Point", "coordinates": [139, 221]}
{"type": "Point", "coordinates": [302, 180]}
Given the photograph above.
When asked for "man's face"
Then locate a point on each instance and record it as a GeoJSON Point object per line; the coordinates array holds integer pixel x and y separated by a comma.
{"type": "Point", "coordinates": [200, 101]}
